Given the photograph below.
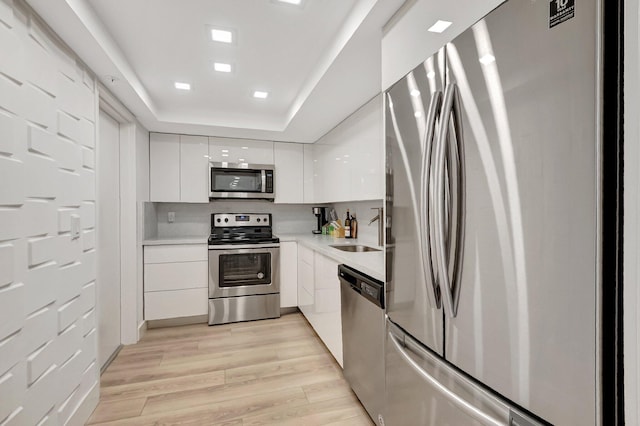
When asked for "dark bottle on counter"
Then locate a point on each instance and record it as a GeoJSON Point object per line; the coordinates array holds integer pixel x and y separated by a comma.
{"type": "Point", "coordinates": [347, 226]}
{"type": "Point", "coordinates": [354, 227]}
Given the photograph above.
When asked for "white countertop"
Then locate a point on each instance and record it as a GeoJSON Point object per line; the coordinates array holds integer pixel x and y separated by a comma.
{"type": "Point", "coordinates": [156, 241]}
{"type": "Point", "coordinates": [369, 263]}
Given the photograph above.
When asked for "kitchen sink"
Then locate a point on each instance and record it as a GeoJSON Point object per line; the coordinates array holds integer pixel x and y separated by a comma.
{"type": "Point", "coordinates": [356, 248]}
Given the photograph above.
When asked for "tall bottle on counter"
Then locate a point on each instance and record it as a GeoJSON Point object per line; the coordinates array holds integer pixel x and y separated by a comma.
{"type": "Point", "coordinates": [354, 227]}
{"type": "Point", "coordinates": [347, 226]}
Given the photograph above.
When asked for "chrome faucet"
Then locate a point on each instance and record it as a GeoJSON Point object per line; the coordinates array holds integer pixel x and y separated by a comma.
{"type": "Point", "coordinates": [380, 218]}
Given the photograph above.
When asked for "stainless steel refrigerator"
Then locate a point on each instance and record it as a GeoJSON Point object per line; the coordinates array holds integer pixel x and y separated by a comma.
{"type": "Point", "coordinates": [495, 223]}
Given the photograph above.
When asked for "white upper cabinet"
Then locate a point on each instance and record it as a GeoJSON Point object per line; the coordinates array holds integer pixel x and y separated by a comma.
{"type": "Point", "coordinates": [348, 162]}
{"type": "Point", "coordinates": [178, 168]}
{"type": "Point", "coordinates": [289, 162]}
{"type": "Point", "coordinates": [194, 169]}
{"type": "Point", "coordinates": [164, 167]}
{"type": "Point", "coordinates": [240, 151]}
{"type": "Point", "coordinates": [308, 172]}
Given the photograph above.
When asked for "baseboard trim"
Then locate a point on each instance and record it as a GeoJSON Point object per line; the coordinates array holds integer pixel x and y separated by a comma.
{"type": "Point", "coordinates": [175, 322]}
{"type": "Point", "coordinates": [142, 330]}
{"type": "Point", "coordinates": [287, 311]}
{"type": "Point", "coordinates": [110, 360]}
{"type": "Point", "coordinates": [86, 407]}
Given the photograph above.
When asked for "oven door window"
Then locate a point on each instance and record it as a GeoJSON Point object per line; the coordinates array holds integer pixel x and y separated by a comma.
{"type": "Point", "coordinates": [224, 180]}
{"type": "Point", "coordinates": [245, 269]}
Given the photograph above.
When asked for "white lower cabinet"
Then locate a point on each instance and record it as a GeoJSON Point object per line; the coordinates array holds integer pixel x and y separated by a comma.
{"type": "Point", "coordinates": [288, 274]}
{"type": "Point", "coordinates": [319, 297]}
{"type": "Point", "coordinates": [175, 281]}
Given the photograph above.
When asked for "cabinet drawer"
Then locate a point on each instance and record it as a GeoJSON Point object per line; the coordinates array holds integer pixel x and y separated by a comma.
{"type": "Point", "coordinates": [175, 276]}
{"type": "Point", "coordinates": [176, 253]}
{"type": "Point", "coordinates": [176, 304]}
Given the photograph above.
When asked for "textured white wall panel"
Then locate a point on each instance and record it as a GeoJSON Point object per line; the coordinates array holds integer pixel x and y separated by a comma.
{"type": "Point", "coordinates": [9, 224]}
{"type": "Point", "coordinates": [39, 328]}
{"type": "Point", "coordinates": [12, 190]}
{"type": "Point", "coordinates": [70, 188]}
{"type": "Point", "coordinates": [9, 399]}
{"type": "Point", "coordinates": [64, 219]}
{"type": "Point", "coordinates": [88, 322]}
{"type": "Point", "coordinates": [6, 12]}
{"type": "Point", "coordinates": [88, 210]}
{"type": "Point", "coordinates": [40, 361]}
{"type": "Point", "coordinates": [8, 133]}
{"type": "Point", "coordinates": [11, 65]}
{"type": "Point", "coordinates": [40, 106]}
{"type": "Point", "coordinates": [39, 64]}
{"type": "Point", "coordinates": [41, 286]}
{"type": "Point", "coordinates": [39, 218]}
{"type": "Point", "coordinates": [47, 279]}
{"type": "Point", "coordinates": [67, 344]}
{"type": "Point", "coordinates": [40, 176]}
{"type": "Point", "coordinates": [88, 185]}
{"type": "Point", "coordinates": [10, 352]}
{"type": "Point", "coordinates": [70, 374]}
{"type": "Point", "coordinates": [6, 264]}
{"type": "Point", "coordinates": [41, 140]}
{"type": "Point", "coordinates": [88, 297]}
{"type": "Point", "coordinates": [69, 249]}
{"type": "Point", "coordinates": [88, 239]}
{"type": "Point", "coordinates": [69, 313]}
{"type": "Point", "coordinates": [11, 309]}
{"type": "Point", "coordinates": [11, 98]}
{"type": "Point", "coordinates": [70, 282]}
{"type": "Point", "coordinates": [41, 397]}
{"type": "Point", "coordinates": [88, 158]}
{"type": "Point", "coordinates": [42, 250]}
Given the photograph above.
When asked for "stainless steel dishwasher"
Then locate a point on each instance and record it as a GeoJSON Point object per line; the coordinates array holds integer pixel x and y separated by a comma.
{"type": "Point", "coordinates": [363, 328]}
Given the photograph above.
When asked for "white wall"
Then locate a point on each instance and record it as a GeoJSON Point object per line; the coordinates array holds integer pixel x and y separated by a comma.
{"type": "Point", "coordinates": [631, 214]}
{"type": "Point", "coordinates": [142, 195]}
{"type": "Point", "coordinates": [48, 103]}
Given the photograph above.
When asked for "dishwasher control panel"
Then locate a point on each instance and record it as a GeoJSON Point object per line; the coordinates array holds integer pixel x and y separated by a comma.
{"type": "Point", "coordinates": [368, 287]}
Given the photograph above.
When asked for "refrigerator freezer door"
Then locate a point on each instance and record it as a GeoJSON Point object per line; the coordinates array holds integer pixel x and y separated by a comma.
{"type": "Point", "coordinates": [422, 390]}
{"type": "Point", "coordinates": [526, 323]}
{"type": "Point", "coordinates": [411, 115]}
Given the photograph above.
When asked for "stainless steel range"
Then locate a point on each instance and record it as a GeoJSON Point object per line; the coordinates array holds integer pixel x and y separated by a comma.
{"type": "Point", "coordinates": [244, 268]}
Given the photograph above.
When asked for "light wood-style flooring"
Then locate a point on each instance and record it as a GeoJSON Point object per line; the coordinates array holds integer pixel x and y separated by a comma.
{"type": "Point", "coordinates": [262, 372]}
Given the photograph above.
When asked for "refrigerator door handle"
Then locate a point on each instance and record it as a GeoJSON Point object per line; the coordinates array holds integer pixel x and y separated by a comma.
{"type": "Point", "coordinates": [449, 244]}
{"type": "Point", "coordinates": [426, 200]}
{"type": "Point", "coordinates": [495, 412]}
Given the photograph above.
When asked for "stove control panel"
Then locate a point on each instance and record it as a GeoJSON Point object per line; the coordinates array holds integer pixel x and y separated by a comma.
{"type": "Point", "coordinates": [240, 219]}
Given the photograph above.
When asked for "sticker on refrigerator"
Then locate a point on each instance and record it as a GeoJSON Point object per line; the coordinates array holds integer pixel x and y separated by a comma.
{"type": "Point", "coordinates": [560, 11]}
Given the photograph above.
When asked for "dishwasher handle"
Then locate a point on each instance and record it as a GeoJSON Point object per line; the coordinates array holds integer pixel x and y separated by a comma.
{"type": "Point", "coordinates": [368, 287]}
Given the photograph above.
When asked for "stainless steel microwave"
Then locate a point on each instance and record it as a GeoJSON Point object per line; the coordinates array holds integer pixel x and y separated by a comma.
{"type": "Point", "coordinates": [244, 181]}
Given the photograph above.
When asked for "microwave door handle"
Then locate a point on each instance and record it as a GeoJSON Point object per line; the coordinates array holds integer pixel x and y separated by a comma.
{"type": "Point", "coordinates": [263, 176]}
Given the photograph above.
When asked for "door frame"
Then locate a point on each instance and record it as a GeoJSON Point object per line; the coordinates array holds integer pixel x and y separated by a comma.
{"type": "Point", "coordinates": [129, 330]}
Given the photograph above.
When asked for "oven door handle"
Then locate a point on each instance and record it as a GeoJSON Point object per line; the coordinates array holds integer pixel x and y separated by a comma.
{"type": "Point", "coordinates": [253, 248]}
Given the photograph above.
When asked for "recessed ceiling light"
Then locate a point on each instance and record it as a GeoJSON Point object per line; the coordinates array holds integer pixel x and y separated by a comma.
{"type": "Point", "coordinates": [415, 93]}
{"type": "Point", "coordinates": [223, 36]}
{"type": "Point", "coordinates": [182, 86]}
{"type": "Point", "coordinates": [245, 147]}
{"type": "Point", "coordinates": [225, 150]}
{"type": "Point", "coordinates": [260, 95]}
{"type": "Point", "coordinates": [439, 26]}
{"type": "Point", "coordinates": [296, 2]}
{"type": "Point", "coordinates": [487, 59]}
{"type": "Point", "coordinates": [225, 155]}
{"type": "Point", "coordinates": [221, 67]}
{"type": "Point", "coordinates": [240, 159]}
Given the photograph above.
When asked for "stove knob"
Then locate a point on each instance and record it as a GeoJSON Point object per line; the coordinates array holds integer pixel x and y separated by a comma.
{"type": "Point", "coordinates": [265, 219]}
{"type": "Point", "coordinates": [226, 219]}
{"type": "Point", "coordinates": [218, 220]}
{"type": "Point", "coordinates": [258, 220]}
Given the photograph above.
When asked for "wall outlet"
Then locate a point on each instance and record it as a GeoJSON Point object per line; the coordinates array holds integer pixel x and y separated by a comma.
{"type": "Point", "coordinates": [171, 217]}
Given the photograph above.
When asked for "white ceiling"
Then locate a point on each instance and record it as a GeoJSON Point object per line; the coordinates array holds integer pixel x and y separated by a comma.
{"type": "Point", "coordinates": [319, 62]}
